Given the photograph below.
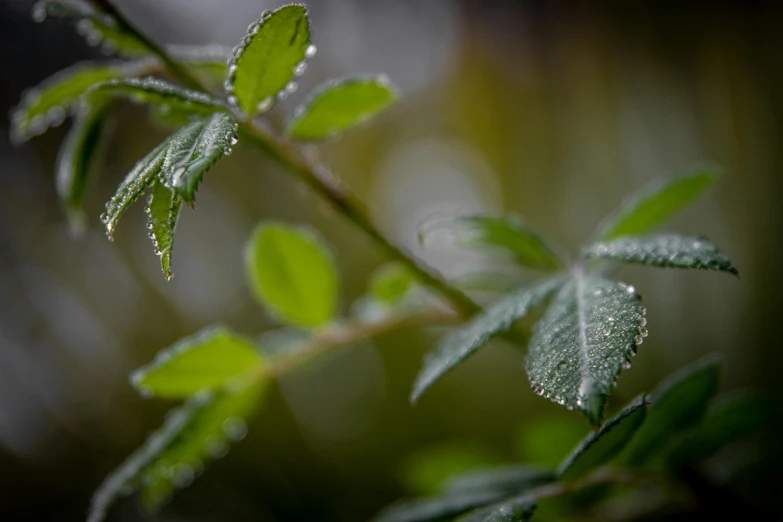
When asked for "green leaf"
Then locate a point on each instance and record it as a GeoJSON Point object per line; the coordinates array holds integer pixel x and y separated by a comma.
{"type": "Point", "coordinates": [210, 359]}
{"type": "Point", "coordinates": [269, 56]}
{"type": "Point", "coordinates": [172, 457]}
{"type": "Point", "coordinates": [293, 274]}
{"type": "Point", "coordinates": [50, 102]}
{"type": "Point", "coordinates": [77, 159]}
{"type": "Point", "coordinates": [160, 93]}
{"type": "Point", "coordinates": [457, 346]}
{"type": "Point", "coordinates": [587, 335]}
{"type": "Point", "coordinates": [391, 282]}
{"type": "Point", "coordinates": [667, 250]}
{"type": "Point", "coordinates": [730, 418]}
{"type": "Point", "coordinates": [513, 479]}
{"type": "Point", "coordinates": [654, 204]}
{"type": "Point", "coordinates": [437, 508]}
{"type": "Point", "coordinates": [601, 446]}
{"type": "Point", "coordinates": [162, 214]}
{"type": "Point", "coordinates": [97, 27]}
{"type": "Point", "coordinates": [676, 404]}
{"type": "Point", "coordinates": [425, 471]}
{"type": "Point", "coordinates": [508, 234]}
{"type": "Point", "coordinates": [340, 105]}
{"type": "Point", "coordinates": [517, 509]}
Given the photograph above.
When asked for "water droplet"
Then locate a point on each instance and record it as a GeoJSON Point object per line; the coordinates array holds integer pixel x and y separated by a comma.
{"type": "Point", "coordinates": [630, 289]}
{"type": "Point", "coordinates": [627, 365]}
{"type": "Point", "coordinates": [39, 13]}
{"type": "Point", "coordinates": [638, 340]}
{"type": "Point", "coordinates": [235, 428]}
{"type": "Point", "coordinates": [265, 104]}
{"type": "Point", "coordinates": [643, 332]}
{"type": "Point", "coordinates": [282, 95]}
{"type": "Point", "coordinates": [183, 475]}
{"type": "Point", "coordinates": [217, 448]}
{"type": "Point", "coordinates": [234, 139]}
{"type": "Point", "coordinates": [56, 115]}
{"type": "Point", "coordinates": [83, 26]}
{"type": "Point", "coordinates": [310, 51]}
{"type": "Point", "coordinates": [232, 100]}
{"type": "Point", "coordinates": [266, 14]}
{"type": "Point", "coordinates": [291, 87]}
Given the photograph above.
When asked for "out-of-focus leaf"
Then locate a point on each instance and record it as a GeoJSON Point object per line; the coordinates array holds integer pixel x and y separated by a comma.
{"type": "Point", "coordinates": [517, 509]}
{"type": "Point", "coordinates": [162, 214]}
{"type": "Point", "coordinates": [678, 403]}
{"type": "Point", "coordinates": [390, 283]}
{"type": "Point", "coordinates": [160, 93]}
{"type": "Point", "coordinates": [651, 206]}
{"type": "Point", "coordinates": [97, 27]}
{"type": "Point", "coordinates": [730, 418]}
{"type": "Point", "coordinates": [424, 472]}
{"type": "Point", "coordinates": [77, 159]}
{"type": "Point", "coordinates": [340, 105]}
{"type": "Point", "coordinates": [207, 62]}
{"type": "Point", "coordinates": [208, 360]}
{"type": "Point", "coordinates": [268, 58]}
{"type": "Point", "coordinates": [587, 335]}
{"type": "Point", "coordinates": [667, 250]}
{"type": "Point", "coordinates": [511, 480]}
{"type": "Point", "coordinates": [437, 508]}
{"type": "Point", "coordinates": [544, 440]}
{"type": "Point", "coordinates": [601, 446]}
{"type": "Point", "coordinates": [172, 457]}
{"type": "Point", "coordinates": [491, 282]}
{"type": "Point", "coordinates": [509, 234]}
{"type": "Point", "coordinates": [292, 273]}
{"type": "Point", "coordinates": [461, 343]}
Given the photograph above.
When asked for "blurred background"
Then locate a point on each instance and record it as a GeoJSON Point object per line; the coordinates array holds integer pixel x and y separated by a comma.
{"type": "Point", "coordinates": [551, 110]}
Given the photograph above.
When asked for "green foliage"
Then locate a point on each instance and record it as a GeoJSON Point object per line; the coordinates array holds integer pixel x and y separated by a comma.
{"type": "Point", "coordinates": [462, 343]}
{"type": "Point", "coordinates": [269, 56]}
{"type": "Point", "coordinates": [651, 206]}
{"type": "Point", "coordinates": [340, 105]}
{"type": "Point", "coordinates": [160, 93]}
{"type": "Point", "coordinates": [390, 283]}
{"type": "Point", "coordinates": [208, 360]}
{"type": "Point", "coordinates": [666, 250]}
{"type": "Point", "coordinates": [544, 440]}
{"type": "Point", "coordinates": [162, 214]}
{"type": "Point", "coordinates": [517, 509]}
{"type": "Point", "coordinates": [676, 404]}
{"type": "Point", "coordinates": [426, 471]}
{"type": "Point", "coordinates": [510, 480]}
{"type": "Point", "coordinates": [292, 274]}
{"type": "Point", "coordinates": [509, 234]}
{"type": "Point", "coordinates": [77, 158]}
{"type": "Point", "coordinates": [601, 446]}
{"type": "Point", "coordinates": [437, 508]}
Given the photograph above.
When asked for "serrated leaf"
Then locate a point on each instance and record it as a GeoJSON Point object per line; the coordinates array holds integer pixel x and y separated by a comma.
{"type": "Point", "coordinates": [730, 418]}
{"type": "Point", "coordinates": [508, 234]}
{"type": "Point", "coordinates": [437, 508]}
{"type": "Point", "coordinates": [293, 274]}
{"type": "Point", "coordinates": [517, 509]}
{"type": "Point", "coordinates": [77, 158]}
{"type": "Point", "coordinates": [340, 105]}
{"type": "Point", "coordinates": [651, 206]}
{"type": "Point", "coordinates": [268, 57]}
{"type": "Point", "coordinates": [601, 446]}
{"type": "Point", "coordinates": [510, 480]}
{"type": "Point", "coordinates": [390, 283]}
{"type": "Point", "coordinates": [49, 103]}
{"type": "Point", "coordinates": [678, 403]}
{"type": "Point", "coordinates": [498, 318]}
{"type": "Point", "coordinates": [156, 92]}
{"type": "Point", "coordinates": [173, 456]}
{"type": "Point", "coordinates": [587, 335]}
{"type": "Point", "coordinates": [162, 214]}
{"type": "Point", "coordinates": [210, 359]}
{"type": "Point", "coordinates": [97, 27]}
{"type": "Point", "coordinates": [665, 250]}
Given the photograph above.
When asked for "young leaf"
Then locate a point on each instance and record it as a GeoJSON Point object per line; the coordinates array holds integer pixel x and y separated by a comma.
{"type": "Point", "coordinates": [667, 250]}
{"type": "Point", "coordinates": [160, 93]}
{"type": "Point", "coordinates": [390, 283]}
{"type": "Point", "coordinates": [173, 456]}
{"type": "Point", "coordinates": [601, 446]}
{"type": "Point", "coordinates": [292, 273]}
{"type": "Point", "coordinates": [730, 418]}
{"type": "Point", "coordinates": [509, 234]}
{"type": "Point", "coordinates": [676, 404]}
{"type": "Point", "coordinates": [268, 57]}
{"type": "Point", "coordinates": [162, 214]}
{"type": "Point", "coordinates": [437, 508]}
{"type": "Point", "coordinates": [510, 480]}
{"type": "Point", "coordinates": [457, 346]}
{"type": "Point", "coordinates": [340, 105]}
{"type": "Point", "coordinates": [517, 509]}
{"type": "Point", "coordinates": [651, 206]}
{"type": "Point", "coordinates": [589, 332]}
{"type": "Point", "coordinates": [192, 151]}
{"type": "Point", "coordinates": [77, 158]}
{"type": "Point", "coordinates": [96, 26]}
{"type": "Point", "coordinates": [51, 101]}
{"type": "Point", "coordinates": [210, 359]}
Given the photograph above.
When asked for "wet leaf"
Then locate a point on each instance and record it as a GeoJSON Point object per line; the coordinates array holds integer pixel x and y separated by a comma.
{"type": "Point", "coordinates": [601, 446]}
{"type": "Point", "coordinates": [292, 273]}
{"type": "Point", "coordinates": [654, 204]}
{"type": "Point", "coordinates": [665, 250]}
{"type": "Point", "coordinates": [77, 159]}
{"type": "Point", "coordinates": [160, 93]}
{"type": "Point", "coordinates": [678, 403]}
{"type": "Point", "coordinates": [510, 480]}
{"type": "Point", "coordinates": [340, 105]}
{"type": "Point", "coordinates": [268, 57]}
{"type": "Point", "coordinates": [208, 360]}
{"type": "Point", "coordinates": [507, 234]}
{"type": "Point", "coordinates": [162, 214]}
{"type": "Point", "coordinates": [517, 509]}
{"type": "Point", "coordinates": [587, 335]}
{"type": "Point", "coordinates": [498, 318]}
{"type": "Point", "coordinates": [437, 508]}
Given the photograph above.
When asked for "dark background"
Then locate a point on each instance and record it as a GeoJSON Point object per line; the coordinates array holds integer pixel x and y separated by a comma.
{"type": "Point", "coordinates": [552, 110]}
